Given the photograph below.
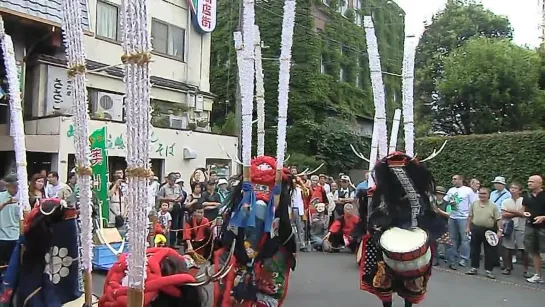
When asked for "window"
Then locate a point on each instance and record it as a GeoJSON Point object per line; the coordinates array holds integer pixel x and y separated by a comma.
{"type": "Point", "coordinates": [343, 6]}
{"type": "Point", "coordinates": [107, 20]}
{"type": "Point", "coordinates": [168, 39]}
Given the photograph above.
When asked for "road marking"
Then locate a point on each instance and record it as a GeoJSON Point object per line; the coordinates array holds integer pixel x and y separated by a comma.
{"type": "Point", "coordinates": [488, 279]}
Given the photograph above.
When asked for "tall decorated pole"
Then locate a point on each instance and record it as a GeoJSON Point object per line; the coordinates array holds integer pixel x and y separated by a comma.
{"type": "Point", "coordinates": [395, 131]}
{"type": "Point", "coordinates": [247, 77]}
{"type": "Point", "coordinates": [75, 54]}
{"type": "Point", "coordinates": [16, 115]}
{"type": "Point", "coordinates": [137, 55]}
{"type": "Point", "coordinates": [288, 22]}
{"type": "Point", "coordinates": [378, 88]}
{"type": "Point", "coordinates": [259, 94]}
{"type": "Point", "coordinates": [408, 87]}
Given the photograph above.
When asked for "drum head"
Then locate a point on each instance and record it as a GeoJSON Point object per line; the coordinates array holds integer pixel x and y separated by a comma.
{"type": "Point", "coordinates": [491, 238]}
{"type": "Point", "coordinates": [400, 240]}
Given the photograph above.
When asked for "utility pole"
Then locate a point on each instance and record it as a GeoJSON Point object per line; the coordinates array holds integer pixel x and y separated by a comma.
{"type": "Point", "coordinates": [238, 103]}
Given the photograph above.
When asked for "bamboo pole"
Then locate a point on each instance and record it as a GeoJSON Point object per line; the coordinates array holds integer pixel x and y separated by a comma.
{"type": "Point", "coordinates": [136, 44]}
{"type": "Point", "coordinates": [407, 85]}
{"type": "Point", "coordinates": [395, 131]}
{"type": "Point", "coordinates": [288, 23]}
{"type": "Point", "coordinates": [378, 88]}
{"type": "Point", "coordinates": [75, 54]}
{"type": "Point", "coordinates": [259, 95]}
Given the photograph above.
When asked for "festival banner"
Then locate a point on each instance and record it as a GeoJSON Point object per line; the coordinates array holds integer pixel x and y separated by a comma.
{"type": "Point", "coordinates": [99, 164]}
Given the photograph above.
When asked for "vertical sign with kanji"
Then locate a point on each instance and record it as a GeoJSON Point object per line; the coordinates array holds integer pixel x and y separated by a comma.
{"type": "Point", "coordinates": [204, 15]}
{"type": "Point", "coordinates": [99, 164]}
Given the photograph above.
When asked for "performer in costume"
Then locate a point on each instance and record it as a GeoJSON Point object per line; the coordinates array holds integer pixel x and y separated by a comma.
{"type": "Point", "coordinates": [48, 269]}
{"type": "Point", "coordinates": [170, 281]}
{"type": "Point", "coordinates": [272, 255]}
{"type": "Point", "coordinates": [403, 195]}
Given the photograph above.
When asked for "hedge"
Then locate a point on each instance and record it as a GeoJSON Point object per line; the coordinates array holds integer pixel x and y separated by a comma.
{"type": "Point", "coordinates": [516, 156]}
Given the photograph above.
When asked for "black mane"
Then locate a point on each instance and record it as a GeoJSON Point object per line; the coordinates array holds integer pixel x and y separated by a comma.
{"type": "Point", "coordinates": [191, 296]}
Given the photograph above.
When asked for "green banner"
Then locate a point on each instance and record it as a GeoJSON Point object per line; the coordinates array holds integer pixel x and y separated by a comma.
{"type": "Point", "coordinates": [99, 164]}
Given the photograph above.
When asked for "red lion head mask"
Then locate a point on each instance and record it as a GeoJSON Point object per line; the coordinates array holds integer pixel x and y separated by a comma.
{"type": "Point", "coordinates": [263, 176]}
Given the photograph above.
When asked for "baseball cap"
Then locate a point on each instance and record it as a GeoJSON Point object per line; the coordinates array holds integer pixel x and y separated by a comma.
{"type": "Point", "coordinates": [222, 181]}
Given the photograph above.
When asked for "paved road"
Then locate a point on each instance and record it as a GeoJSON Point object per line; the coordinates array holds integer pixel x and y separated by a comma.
{"type": "Point", "coordinates": [328, 280]}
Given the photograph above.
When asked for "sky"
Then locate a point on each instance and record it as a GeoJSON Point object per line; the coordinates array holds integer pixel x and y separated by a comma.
{"type": "Point", "coordinates": [524, 16]}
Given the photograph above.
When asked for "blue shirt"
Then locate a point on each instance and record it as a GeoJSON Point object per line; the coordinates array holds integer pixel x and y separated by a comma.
{"type": "Point", "coordinates": [362, 186]}
{"type": "Point", "coordinates": [10, 216]}
{"type": "Point", "coordinates": [498, 197]}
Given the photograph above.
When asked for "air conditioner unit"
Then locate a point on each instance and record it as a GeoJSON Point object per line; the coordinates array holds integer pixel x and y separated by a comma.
{"type": "Point", "coordinates": [192, 101]}
{"type": "Point", "coordinates": [177, 122]}
{"type": "Point", "coordinates": [199, 103]}
{"type": "Point", "coordinates": [107, 106]}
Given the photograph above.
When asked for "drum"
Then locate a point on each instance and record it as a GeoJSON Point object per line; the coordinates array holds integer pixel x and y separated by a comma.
{"type": "Point", "coordinates": [406, 252]}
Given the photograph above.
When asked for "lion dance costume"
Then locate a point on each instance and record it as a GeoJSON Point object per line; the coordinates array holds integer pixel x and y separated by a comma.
{"type": "Point", "coordinates": [264, 245]}
{"type": "Point", "coordinates": [396, 254]}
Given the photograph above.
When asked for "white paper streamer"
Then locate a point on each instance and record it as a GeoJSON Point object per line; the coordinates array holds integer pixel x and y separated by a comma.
{"type": "Point", "coordinates": [259, 95]}
{"type": "Point", "coordinates": [395, 131]}
{"type": "Point", "coordinates": [75, 54]}
{"type": "Point", "coordinates": [408, 86]}
{"type": "Point", "coordinates": [373, 156]}
{"type": "Point", "coordinates": [247, 78]}
{"type": "Point", "coordinates": [137, 41]}
{"type": "Point", "coordinates": [378, 86]}
{"type": "Point", "coordinates": [288, 23]}
{"type": "Point", "coordinates": [16, 115]}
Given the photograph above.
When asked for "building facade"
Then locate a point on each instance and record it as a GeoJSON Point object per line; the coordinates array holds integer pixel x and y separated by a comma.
{"type": "Point", "coordinates": [329, 75]}
{"type": "Point", "coordinates": [181, 96]}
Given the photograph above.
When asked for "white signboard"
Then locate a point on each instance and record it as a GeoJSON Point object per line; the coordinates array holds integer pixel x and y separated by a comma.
{"type": "Point", "coordinates": [206, 15]}
{"type": "Point", "coordinates": [59, 92]}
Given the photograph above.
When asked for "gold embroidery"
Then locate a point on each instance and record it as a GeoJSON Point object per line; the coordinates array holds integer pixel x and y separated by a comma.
{"type": "Point", "coordinates": [416, 285]}
{"type": "Point", "coordinates": [381, 279]}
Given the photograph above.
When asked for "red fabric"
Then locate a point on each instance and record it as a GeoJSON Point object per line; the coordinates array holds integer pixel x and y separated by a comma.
{"type": "Point", "coordinates": [116, 295]}
{"type": "Point", "coordinates": [265, 175]}
{"type": "Point", "coordinates": [317, 195]}
{"type": "Point", "coordinates": [198, 228]}
{"type": "Point", "coordinates": [350, 222]}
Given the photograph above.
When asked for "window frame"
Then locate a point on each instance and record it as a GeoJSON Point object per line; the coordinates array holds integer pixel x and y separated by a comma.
{"type": "Point", "coordinates": [169, 40]}
{"type": "Point", "coordinates": [117, 40]}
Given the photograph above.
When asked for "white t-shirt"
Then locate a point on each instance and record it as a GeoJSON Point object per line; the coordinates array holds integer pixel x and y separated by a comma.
{"type": "Point", "coordinates": [462, 197]}
{"type": "Point", "coordinates": [297, 201]}
{"type": "Point", "coordinates": [512, 205]}
{"type": "Point", "coordinates": [327, 188]}
{"type": "Point", "coordinates": [164, 218]}
{"type": "Point", "coordinates": [52, 191]}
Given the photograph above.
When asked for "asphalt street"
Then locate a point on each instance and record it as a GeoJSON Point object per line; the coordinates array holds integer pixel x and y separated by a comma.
{"type": "Point", "coordinates": [331, 280]}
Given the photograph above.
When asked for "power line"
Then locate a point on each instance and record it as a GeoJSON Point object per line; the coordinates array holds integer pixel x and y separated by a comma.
{"type": "Point", "coordinates": [322, 36]}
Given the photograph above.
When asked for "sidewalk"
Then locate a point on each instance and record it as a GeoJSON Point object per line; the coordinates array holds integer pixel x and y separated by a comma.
{"type": "Point", "coordinates": [516, 278]}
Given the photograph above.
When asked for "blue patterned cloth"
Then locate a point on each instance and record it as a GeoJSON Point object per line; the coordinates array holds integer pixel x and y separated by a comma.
{"type": "Point", "coordinates": [58, 278]}
{"type": "Point", "coordinates": [244, 218]}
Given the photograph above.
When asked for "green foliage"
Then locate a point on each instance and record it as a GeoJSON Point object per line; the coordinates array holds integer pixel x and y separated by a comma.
{"type": "Point", "coordinates": [315, 97]}
{"type": "Point", "coordinates": [488, 85]}
{"type": "Point", "coordinates": [330, 142]}
{"type": "Point", "coordinates": [450, 29]}
{"type": "Point", "coordinates": [513, 155]}
{"type": "Point", "coordinates": [229, 126]}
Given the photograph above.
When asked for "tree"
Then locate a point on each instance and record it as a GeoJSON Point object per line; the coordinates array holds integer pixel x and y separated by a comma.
{"type": "Point", "coordinates": [450, 29]}
{"type": "Point", "coordinates": [488, 85]}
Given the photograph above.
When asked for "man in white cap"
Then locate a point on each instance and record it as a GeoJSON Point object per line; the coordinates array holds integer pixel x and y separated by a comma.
{"type": "Point", "coordinates": [500, 193]}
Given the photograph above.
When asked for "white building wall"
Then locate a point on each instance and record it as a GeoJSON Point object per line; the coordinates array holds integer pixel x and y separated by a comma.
{"type": "Point", "coordinates": [174, 12]}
